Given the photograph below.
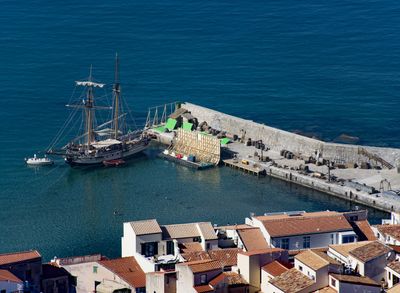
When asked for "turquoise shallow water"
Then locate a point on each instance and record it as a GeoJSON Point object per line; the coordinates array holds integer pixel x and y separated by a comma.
{"type": "Point", "coordinates": [323, 68]}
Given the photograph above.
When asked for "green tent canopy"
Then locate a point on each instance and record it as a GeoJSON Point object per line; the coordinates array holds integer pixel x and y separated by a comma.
{"type": "Point", "coordinates": [225, 140]}
{"type": "Point", "coordinates": [187, 126]}
{"type": "Point", "coordinates": [160, 129]}
{"type": "Point", "coordinates": [171, 123]}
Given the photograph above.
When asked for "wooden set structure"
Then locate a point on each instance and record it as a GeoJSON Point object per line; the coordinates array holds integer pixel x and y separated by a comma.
{"type": "Point", "coordinates": [204, 147]}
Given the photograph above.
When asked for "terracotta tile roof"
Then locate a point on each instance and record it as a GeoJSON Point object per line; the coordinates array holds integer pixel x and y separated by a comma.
{"type": "Point", "coordinates": [234, 227]}
{"type": "Point", "coordinates": [394, 289]}
{"type": "Point", "coordinates": [203, 288]}
{"type": "Point", "coordinates": [146, 227]}
{"type": "Point", "coordinates": [261, 251]}
{"type": "Point", "coordinates": [294, 252]}
{"type": "Point", "coordinates": [396, 248]}
{"type": "Point", "coordinates": [344, 249]}
{"type": "Point", "coordinates": [275, 268]}
{"type": "Point", "coordinates": [301, 225]}
{"type": "Point", "coordinates": [207, 231]}
{"type": "Point", "coordinates": [177, 231]}
{"type": "Point", "coordinates": [363, 230]}
{"type": "Point", "coordinates": [196, 256]}
{"type": "Point", "coordinates": [355, 280]}
{"type": "Point", "coordinates": [127, 269]}
{"type": "Point", "coordinates": [390, 230]}
{"type": "Point", "coordinates": [370, 251]}
{"type": "Point", "coordinates": [326, 257]}
{"type": "Point", "coordinates": [229, 278]}
{"type": "Point", "coordinates": [8, 276]}
{"type": "Point", "coordinates": [312, 260]}
{"type": "Point", "coordinates": [394, 265]}
{"type": "Point", "coordinates": [227, 256]}
{"type": "Point", "coordinates": [9, 258]}
{"type": "Point", "coordinates": [291, 215]}
{"type": "Point", "coordinates": [190, 246]}
{"type": "Point", "coordinates": [203, 265]}
{"type": "Point", "coordinates": [252, 239]}
{"type": "Point", "coordinates": [292, 281]}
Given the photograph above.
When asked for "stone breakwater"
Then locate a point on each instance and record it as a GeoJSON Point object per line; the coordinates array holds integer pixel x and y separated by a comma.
{"type": "Point", "coordinates": [277, 139]}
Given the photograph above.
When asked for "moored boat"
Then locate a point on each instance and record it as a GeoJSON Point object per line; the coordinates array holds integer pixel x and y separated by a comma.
{"type": "Point", "coordinates": [35, 161]}
{"type": "Point", "coordinates": [97, 144]}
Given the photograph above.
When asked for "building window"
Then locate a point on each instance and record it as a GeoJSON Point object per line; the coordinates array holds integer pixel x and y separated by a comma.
{"type": "Point", "coordinates": [395, 280]}
{"type": "Point", "coordinates": [196, 239]}
{"type": "Point", "coordinates": [170, 247]}
{"type": "Point", "coordinates": [348, 239]}
{"type": "Point", "coordinates": [203, 279]}
{"type": "Point", "coordinates": [300, 268]}
{"type": "Point", "coordinates": [94, 269]}
{"type": "Point", "coordinates": [332, 238]}
{"type": "Point", "coordinates": [285, 243]}
{"type": "Point", "coordinates": [149, 249]}
{"type": "Point", "coordinates": [306, 242]}
{"type": "Point", "coordinates": [208, 246]}
{"type": "Point", "coordinates": [276, 243]}
{"type": "Point", "coordinates": [389, 276]}
{"type": "Point", "coordinates": [333, 282]}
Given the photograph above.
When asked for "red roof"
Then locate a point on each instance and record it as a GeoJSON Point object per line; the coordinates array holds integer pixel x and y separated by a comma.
{"type": "Point", "coordinates": [203, 265]}
{"type": "Point", "coordinates": [229, 278]}
{"type": "Point", "coordinates": [261, 251]}
{"type": "Point", "coordinates": [305, 224]}
{"type": "Point", "coordinates": [127, 269]}
{"type": "Point", "coordinates": [252, 239]}
{"type": "Point", "coordinates": [227, 256]}
{"type": "Point", "coordinates": [363, 229]}
{"type": "Point", "coordinates": [14, 257]}
{"type": "Point", "coordinates": [275, 268]}
{"type": "Point", "coordinates": [8, 276]}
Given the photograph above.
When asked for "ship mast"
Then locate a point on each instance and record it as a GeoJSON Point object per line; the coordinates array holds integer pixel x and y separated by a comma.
{"type": "Point", "coordinates": [117, 91]}
{"type": "Point", "coordinates": [89, 106]}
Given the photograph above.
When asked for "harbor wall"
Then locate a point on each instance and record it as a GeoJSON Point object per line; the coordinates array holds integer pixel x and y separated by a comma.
{"type": "Point", "coordinates": [377, 201]}
{"type": "Point", "coordinates": [278, 139]}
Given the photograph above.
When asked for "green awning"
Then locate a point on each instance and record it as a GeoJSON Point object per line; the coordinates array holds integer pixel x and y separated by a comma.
{"type": "Point", "coordinates": [160, 129]}
{"type": "Point", "coordinates": [171, 123]}
{"type": "Point", "coordinates": [187, 126]}
{"type": "Point", "coordinates": [225, 140]}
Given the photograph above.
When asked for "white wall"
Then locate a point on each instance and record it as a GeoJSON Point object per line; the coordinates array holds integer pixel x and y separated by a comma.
{"type": "Point", "coordinates": [185, 279]}
{"type": "Point", "coordinates": [155, 283]}
{"type": "Point", "coordinates": [389, 279]}
{"type": "Point", "coordinates": [87, 277]}
{"type": "Point", "coordinates": [128, 243]}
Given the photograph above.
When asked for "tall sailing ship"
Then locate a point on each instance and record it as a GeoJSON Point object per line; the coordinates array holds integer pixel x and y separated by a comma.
{"type": "Point", "coordinates": [109, 141]}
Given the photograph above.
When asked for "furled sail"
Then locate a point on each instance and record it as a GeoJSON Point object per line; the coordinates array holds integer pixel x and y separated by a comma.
{"type": "Point", "coordinates": [90, 83]}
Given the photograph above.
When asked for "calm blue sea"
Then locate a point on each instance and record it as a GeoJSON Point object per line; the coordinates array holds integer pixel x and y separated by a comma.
{"type": "Point", "coordinates": [321, 67]}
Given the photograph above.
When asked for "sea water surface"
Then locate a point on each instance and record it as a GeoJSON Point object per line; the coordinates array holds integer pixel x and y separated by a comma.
{"type": "Point", "coordinates": [319, 67]}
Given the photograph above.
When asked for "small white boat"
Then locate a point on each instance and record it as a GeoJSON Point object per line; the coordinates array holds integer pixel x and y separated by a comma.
{"type": "Point", "coordinates": [39, 161]}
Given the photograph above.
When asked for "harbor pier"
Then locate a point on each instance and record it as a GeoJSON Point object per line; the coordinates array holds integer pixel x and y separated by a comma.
{"type": "Point", "coordinates": [361, 174]}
